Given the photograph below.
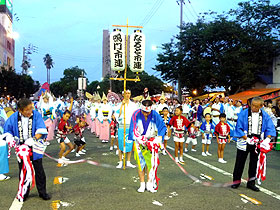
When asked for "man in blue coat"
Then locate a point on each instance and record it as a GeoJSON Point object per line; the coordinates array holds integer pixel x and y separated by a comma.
{"type": "Point", "coordinates": [28, 128]}
{"type": "Point", "coordinates": [253, 125]}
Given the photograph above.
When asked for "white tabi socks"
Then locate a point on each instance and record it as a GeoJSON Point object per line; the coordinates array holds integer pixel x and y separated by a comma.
{"type": "Point", "coordinates": [142, 187]}
{"type": "Point", "coordinates": [150, 187]}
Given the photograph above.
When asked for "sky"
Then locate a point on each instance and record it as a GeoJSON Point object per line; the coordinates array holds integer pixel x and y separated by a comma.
{"type": "Point", "coordinates": [71, 31]}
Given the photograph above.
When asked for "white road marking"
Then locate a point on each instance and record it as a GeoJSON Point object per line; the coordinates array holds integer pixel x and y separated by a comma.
{"type": "Point", "coordinates": [268, 192]}
{"type": "Point", "coordinates": [16, 205]}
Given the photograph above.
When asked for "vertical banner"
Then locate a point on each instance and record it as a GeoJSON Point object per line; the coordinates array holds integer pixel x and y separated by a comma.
{"type": "Point", "coordinates": [82, 83]}
{"type": "Point", "coordinates": [117, 50]}
{"type": "Point", "coordinates": [137, 51]}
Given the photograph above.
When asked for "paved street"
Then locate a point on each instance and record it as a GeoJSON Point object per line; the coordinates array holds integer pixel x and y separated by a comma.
{"type": "Point", "coordinates": [93, 187]}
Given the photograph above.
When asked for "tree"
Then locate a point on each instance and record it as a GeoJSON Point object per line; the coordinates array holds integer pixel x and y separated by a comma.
{"type": "Point", "coordinates": [17, 85]}
{"type": "Point", "coordinates": [225, 51]}
{"type": "Point", "coordinates": [69, 82]}
{"type": "Point", "coordinates": [154, 84]}
{"type": "Point", "coordinates": [48, 61]}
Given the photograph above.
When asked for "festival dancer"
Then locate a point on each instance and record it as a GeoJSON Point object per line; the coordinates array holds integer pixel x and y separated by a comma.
{"type": "Point", "coordinates": [47, 107]}
{"type": "Point", "coordinates": [130, 108]}
{"type": "Point", "coordinates": [222, 132]}
{"type": "Point", "coordinates": [114, 133]}
{"type": "Point", "coordinates": [254, 126]}
{"type": "Point", "coordinates": [180, 124]}
{"type": "Point", "coordinates": [207, 129]}
{"type": "Point", "coordinates": [192, 135]}
{"type": "Point", "coordinates": [93, 115]}
{"type": "Point", "coordinates": [104, 116]}
{"type": "Point", "coordinates": [166, 120]}
{"type": "Point", "coordinates": [97, 122]}
{"type": "Point", "coordinates": [62, 139]}
{"type": "Point", "coordinates": [147, 130]}
{"type": "Point", "coordinates": [4, 162]}
{"type": "Point", "coordinates": [26, 128]}
{"type": "Point", "coordinates": [79, 139]}
{"type": "Point", "coordinates": [87, 112]}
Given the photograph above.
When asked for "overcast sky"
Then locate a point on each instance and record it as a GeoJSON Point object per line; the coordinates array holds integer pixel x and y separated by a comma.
{"type": "Point", "coordinates": [71, 30]}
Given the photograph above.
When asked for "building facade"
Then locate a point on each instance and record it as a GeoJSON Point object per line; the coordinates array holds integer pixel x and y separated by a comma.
{"type": "Point", "coordinates": [7, 42]}
{"type": "Point", "coordinates": [106, 63]}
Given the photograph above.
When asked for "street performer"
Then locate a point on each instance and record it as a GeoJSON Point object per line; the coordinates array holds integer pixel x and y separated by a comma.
{"type": "Point", "coordinates": [25, 130]}
{"type": "Point", "coordinates": [147, 129]}
{"type": "Point", "coordinates": [254, 130]}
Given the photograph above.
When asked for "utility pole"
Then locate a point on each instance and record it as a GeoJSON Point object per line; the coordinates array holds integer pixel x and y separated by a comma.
{"type": "Point", "coordinates": [26, 58]}
{"type": "Point", "coordinates": [181, 3]}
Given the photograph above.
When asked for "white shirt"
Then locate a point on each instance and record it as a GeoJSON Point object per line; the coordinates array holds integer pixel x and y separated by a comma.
{"type": "Point", "coordinates": [186, 108]}
{"type": "Point", "coordinates": [24, 121]}
{"type": "Point", "coordinates": [130, 108]}
{"type": "Point", "coordinates": [255, 122]}
{"type": "Point", "coordinates": [216, 106]}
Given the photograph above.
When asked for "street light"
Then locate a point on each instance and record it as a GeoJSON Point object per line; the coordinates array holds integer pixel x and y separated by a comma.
{"type": "Point", "coordinates": [194, 92]}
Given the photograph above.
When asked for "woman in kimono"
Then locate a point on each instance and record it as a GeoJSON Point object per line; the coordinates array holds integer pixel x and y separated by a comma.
{"type": "Point", "coordinates": [104, 116]}
{"type": "Point", "coordinates": [47, 107]}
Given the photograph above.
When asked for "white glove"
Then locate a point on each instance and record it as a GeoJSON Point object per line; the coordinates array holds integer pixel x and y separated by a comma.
{"type": "Point", "coordinates": [9, 139]}
{"type": "Point", "coordinates": [158, 140]}
{"type": "Point", "coordinates": [83, 139]}
{"type": "Point", "coordinates": [265, 144]}
{"type": "Point", "coordinates": [249, 140]}
{"type": "Point", "coordinates": [267, 140]}
{"type": "Point", "coordinates": [30, 142]}
{"type": "Point", "coordinates": [142, 140]}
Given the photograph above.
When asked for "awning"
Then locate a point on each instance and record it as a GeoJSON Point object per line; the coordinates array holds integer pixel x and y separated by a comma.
{"type": "Point", "coordinates": [266, 93]}
{"type": "Point", "coordinates": [210, 95]}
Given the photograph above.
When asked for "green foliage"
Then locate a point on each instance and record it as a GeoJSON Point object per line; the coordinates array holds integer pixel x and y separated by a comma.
{"type": "Point", "coordinates": [230, 50]}
{"type": "Point", "coordinates": [17, 85]}
{"type": "Point", "coordinates": [69, 82]}
{"type": "Point", "coordinates": [154, 84]}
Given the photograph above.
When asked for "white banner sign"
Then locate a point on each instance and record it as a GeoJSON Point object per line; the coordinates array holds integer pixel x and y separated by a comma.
{"type": "Point", "coordinates": [137, 51]}
{"type": "Point", "coordinates": [117, 50]}
{"type": "Point", "coordinates": [82, 83]}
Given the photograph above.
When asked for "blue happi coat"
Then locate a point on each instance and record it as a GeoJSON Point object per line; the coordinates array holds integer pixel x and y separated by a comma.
{"type": "Point", "coordinates": [38, 127]}
{"type": "Point", "coordinates": [241, 129]}
{"type": "Point", "coordinates": [154, 126]}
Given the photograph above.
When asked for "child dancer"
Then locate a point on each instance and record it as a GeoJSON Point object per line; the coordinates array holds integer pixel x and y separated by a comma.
{"type": "Point", "coordinates": [114, 134]}
{"type": "Point", "coordinates": [222, 131]}
{"type": "Point", "coordinates": [192, 134]}
{"type": "Point", "coordinates": [166, 119]}
{"type": "Point", "coordinates": [62, 139]}
{"type": "Point", "coordinates": [207, 129]}
{"type": "Point", "coordinates": [179, 123]}
{"type": "Point", "coordinates": [79, 140]}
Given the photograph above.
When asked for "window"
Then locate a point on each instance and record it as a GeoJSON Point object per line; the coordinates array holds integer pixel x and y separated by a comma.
{"type": "Point", "coordinates": [9, 61]}
{"type": "Point", "coordinates": [9, 46]}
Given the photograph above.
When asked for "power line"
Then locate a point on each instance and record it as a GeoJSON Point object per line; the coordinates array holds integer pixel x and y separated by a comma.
{"type": "Point", "coordinates": [149, 12]}
{"type": "Point", "coordinates": [190, 12]}
{"type": "Point", "coordinates": [193, 8]}
{"type": "Point", "coordinates": [187, 16]}
{"type": "Point", "coordinates": [152, 12]}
